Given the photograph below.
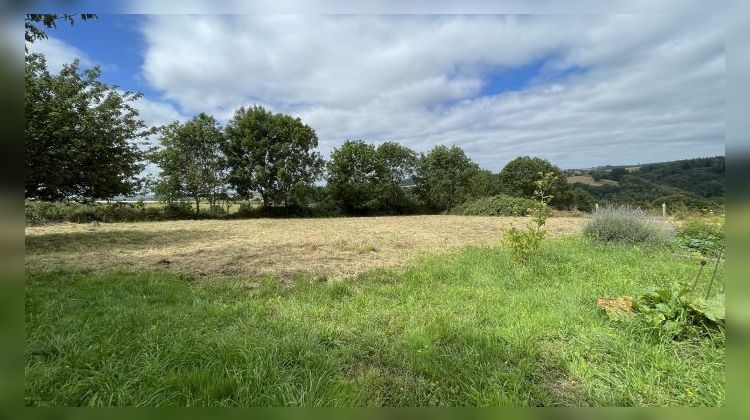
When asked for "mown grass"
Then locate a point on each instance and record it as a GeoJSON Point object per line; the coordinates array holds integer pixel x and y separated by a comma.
{"type": "Point", "coordinates": [470, 328]}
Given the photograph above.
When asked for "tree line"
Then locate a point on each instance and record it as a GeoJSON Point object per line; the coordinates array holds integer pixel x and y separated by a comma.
{"type": "Point", "coordinates": [86, 141]}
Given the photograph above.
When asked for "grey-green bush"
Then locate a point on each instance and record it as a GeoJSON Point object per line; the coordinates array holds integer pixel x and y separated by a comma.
{"type": "Point", "coordinates": [627, 225]}
{"type": "Point", "coordinates": [498, 205]}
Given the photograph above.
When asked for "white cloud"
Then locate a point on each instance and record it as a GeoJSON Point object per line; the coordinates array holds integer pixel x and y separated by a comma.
{"type": "Point", "coordinates": [653, 88]}
{"type": "Point", "coordinates": [58, 53]}
{"type": "Point", "coordinates": [156, 113]}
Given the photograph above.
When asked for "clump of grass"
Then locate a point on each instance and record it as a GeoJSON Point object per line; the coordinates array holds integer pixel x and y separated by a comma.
{"type": "Point", "coordinates": [338, 289]}
{"type": "Point", "coordinates": [627, 225]}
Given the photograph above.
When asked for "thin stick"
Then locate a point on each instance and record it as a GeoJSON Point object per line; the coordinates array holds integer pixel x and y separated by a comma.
{"type": "Point", "coordinates": [697, 276]}
{"type": "Point", "coordinates": [711, 283]}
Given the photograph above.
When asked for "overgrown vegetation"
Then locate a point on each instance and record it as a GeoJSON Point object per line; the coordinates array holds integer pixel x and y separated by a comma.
{"type": "Point", "coordinates": [679, 313]}
{"type": "Point", "coordinates": [498, 205]}
{"type": "Point", "coordinates": [43, 212]}
{"type": "Point", "coordinates": [700, 236]}
{"type": "Point", "coordinates": [627, 225]}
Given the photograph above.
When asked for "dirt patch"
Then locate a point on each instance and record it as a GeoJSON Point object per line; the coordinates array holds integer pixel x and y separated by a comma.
{"type": "Point", "coordinates": [563, 389]}
{"type": "Point", "coordinates": [232, 248]}
{"type": "Point", "coordinates": [619, 305]}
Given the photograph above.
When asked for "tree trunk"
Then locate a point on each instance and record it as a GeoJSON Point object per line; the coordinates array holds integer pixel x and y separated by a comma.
{"type": "Point", "coordinates": [197, 205]}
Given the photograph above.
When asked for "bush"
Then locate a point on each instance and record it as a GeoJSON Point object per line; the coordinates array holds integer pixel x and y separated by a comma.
{"type": "Point", "coordinates": [524, 244]}
{"type": "Point", "coordinates": [213, 212]}
{"type": "Point", "coordinates": [41, 212]}
{"type": "Point", "coordinates": [701, 237]}
{"type": "Point", "coordinates": [178, 210]}
{"type": "Point", "coordinates": [627, 225]}
{"type": "Point", "coordinates": [499, 205]}
{"type": "Point", "coordinates": [248, 211]}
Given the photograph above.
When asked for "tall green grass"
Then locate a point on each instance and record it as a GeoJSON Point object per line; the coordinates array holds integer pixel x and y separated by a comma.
{"type": "Point", "coordinates": [471, 328]}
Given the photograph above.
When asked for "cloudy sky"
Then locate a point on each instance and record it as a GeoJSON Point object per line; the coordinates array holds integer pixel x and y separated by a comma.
{"type": "Point", "coordinates": [577, 90]}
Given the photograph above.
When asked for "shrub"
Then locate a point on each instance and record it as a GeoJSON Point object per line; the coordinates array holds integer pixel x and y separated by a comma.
{"type": "Point", "coordinates": [627, 225]}
{"type": "Point", "coordinates": [523, 244]}
{"type": "Point", "coordinates": [701, 237]}
{"type": "Point", "coordinates": [213, 212]}
{"type": "Point", "coordinates": [499, 205]}
{"type": "Point", "coordinates": [33, 214]}
{"type": "Point", "coordinates": [178, 210]}
{"type": "Point", "coordinates": [248, 211]}
{"type": "Point", "coordinates": [41, 212]}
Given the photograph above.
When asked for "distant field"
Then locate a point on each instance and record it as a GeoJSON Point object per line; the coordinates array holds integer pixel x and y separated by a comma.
{"type": "Point", "coordinates": [230, 248]}
{"type": "Point", "coordinates": [589, 180]}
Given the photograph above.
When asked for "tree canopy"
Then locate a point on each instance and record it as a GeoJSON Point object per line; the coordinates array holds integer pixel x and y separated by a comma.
{"type": "Point", "coordinates": [363, 178]}
{"type": "Point", "coordinates": [81, 134]}
{"type": "Point", "coordinates": [519, 175]}
{"type": "Point", "coordinates": [272, 154]}
{"type": "Point", "coordinates": [445, 177]}
{"type": "Point", "coordinates": [191, 161]}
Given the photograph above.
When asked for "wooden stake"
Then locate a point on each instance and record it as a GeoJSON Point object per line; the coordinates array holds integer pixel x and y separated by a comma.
{"type": "Point", "coordinates": [711, 283]}
{"type": "Point", "coordinates": [697, 276]}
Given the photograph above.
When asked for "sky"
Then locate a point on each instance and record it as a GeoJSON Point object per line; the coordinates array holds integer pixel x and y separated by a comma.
{"type": "Point", "coordinates": [580, 91]}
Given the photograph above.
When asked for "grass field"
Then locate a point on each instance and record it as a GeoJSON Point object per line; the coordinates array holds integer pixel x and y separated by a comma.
{"type": "Point", "coordinates": [453, 325]}
{"type": "Point", "coordinates": [214, 249]}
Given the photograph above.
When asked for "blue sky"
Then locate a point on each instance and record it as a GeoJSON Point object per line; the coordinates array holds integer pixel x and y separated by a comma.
{"type": "Point", "coordinates": [115, 43]}
{"type": "Point", "coordinates": [577, 90]}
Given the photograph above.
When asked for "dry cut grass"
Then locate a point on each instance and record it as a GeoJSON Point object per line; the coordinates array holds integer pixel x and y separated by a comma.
{"type": "Point", "coordinates": [215, 249]}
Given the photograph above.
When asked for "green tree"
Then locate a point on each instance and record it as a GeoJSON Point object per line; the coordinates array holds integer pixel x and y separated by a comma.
{"type": "Point", "coordinates": [616, 174]}
{"type": "Point", "coordinates": [444, 177]}
{"type": "Point", "coordinates": [354, 177]}
{"type": "Point", "coordinates": [81, 135]}
{"type": "Point", "coordinates": [397, 167]}
{"type": "Point", "coordinates": [191, 161]}
{"type": "Point", "coordinates": [582, 200]}
{"type": "Point", "coordinates": [363, 178]}
{"type": "Point", "coordinates": [485, 184]}
{"type": "Point", "coordinates": [519, 176]}
{"type": "Point", "coordinates": [272, 154]}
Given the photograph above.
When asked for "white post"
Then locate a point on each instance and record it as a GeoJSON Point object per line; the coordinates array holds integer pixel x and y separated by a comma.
{"type": "Point", "coordinates": [597, 207]}
{"type": "Point", "coordinates": [664, 210]}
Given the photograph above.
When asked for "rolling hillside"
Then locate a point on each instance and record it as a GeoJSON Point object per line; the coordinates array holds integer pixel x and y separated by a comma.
{"type": "Point", "coordinates": [692, 183]}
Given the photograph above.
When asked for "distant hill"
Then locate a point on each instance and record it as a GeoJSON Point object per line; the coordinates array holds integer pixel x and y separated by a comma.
{"type": "Point", "coordinates": [691, 183]}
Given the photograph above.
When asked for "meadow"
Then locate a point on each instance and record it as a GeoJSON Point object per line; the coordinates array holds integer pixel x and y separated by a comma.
{"type": "Point", "coordinates": [395, 311]}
